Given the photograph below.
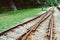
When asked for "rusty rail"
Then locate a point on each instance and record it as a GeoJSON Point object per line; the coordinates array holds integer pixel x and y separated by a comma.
{"type": "Point", "coordinates": [51, 30]}
{"type": "Point", "coordinates": [34, 27]}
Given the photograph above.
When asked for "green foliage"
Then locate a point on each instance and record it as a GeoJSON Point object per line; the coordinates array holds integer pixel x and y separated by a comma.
{"type": "Point", "coordinates": [48, 2]}
{"type": "Point", "coordinates": [52, 2]}
{"type": "Point", "coordinates": [55, 2]}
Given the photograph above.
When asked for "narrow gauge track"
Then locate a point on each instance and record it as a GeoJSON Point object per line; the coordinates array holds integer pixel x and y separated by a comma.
{"type": "Point", "coordinates": [51, 29]}
{"type": "Point", "coordinates": [33, 28]}
{"type": "Point", "coordinates": [43, 17]}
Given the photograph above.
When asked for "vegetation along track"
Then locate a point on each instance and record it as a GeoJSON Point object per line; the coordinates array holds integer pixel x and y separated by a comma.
{"type": "Point", "coordinates": [9, 34]}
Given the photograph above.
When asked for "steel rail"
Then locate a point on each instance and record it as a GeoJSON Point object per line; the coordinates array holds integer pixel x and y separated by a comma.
{"type": "Point", "coordinates": [51, 30]}
{"type": "Point", "coordinates": [34, 27]}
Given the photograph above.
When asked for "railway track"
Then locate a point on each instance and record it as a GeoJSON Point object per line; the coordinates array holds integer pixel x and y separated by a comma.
{"type": "Point", "coordinates": [51, 29]}
{"type": "Point", "coordinates": [26, 30]}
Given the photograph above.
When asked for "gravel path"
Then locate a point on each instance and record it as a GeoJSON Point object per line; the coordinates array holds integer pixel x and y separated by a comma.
{"type": "Point", "coordinates": [40, 33]}
{"type": "Point", "coordinates": [15, 33]}
{"type": "Point", "coordinates": [57, 23]}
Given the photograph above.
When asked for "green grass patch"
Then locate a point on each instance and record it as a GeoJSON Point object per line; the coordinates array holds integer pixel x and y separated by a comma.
{"type": "Point", "coordinates": [10, 18]}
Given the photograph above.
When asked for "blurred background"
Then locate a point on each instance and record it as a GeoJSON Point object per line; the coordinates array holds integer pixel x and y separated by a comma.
{"type": "Point", "coordinates": [13, 12]}
{"type": "Point", "coordinates": [20, 4]}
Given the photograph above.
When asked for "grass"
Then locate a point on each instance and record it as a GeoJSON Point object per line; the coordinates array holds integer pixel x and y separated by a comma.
{"type": "Point", "coordinates": [10, 18]}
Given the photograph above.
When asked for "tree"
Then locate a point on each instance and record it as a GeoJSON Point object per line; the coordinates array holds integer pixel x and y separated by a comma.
{"type": "Point", "coordinates": [52, 2]}
{"type": "Point", "coordinates": [13, 5]}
